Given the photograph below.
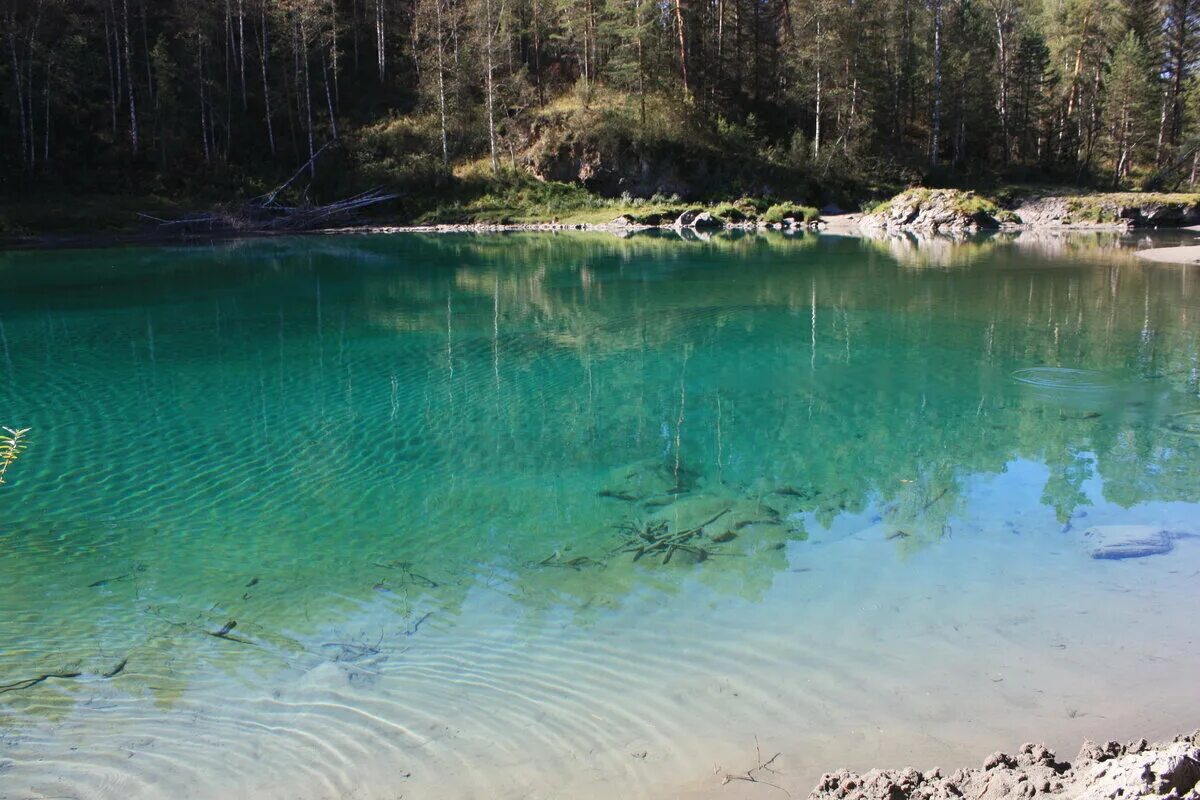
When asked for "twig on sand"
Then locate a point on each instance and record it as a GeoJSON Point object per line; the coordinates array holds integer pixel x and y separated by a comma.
{"type": "Point", "coordinates": [28, 683]}
{"type": "Point", "coordinates": [752, 775]}
{"type": "Point", "coordinates": [939, 496]}
{"type": "Point", "coordinates": [224, 634]}
{"type": "Point", "coordinates": [416, 626]}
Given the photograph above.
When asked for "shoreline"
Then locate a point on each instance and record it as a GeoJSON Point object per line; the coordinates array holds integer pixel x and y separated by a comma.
{"type": "Point", "coordinates": [839, 225]}
{"type": "Point", "coordinates": [846, 224]}
{"type": "Point", "coordinates": [950, 213]}
{"type": "Point", "coordinates": [914, 211]}
{"type": "Point", "coordinates": [70, 241]}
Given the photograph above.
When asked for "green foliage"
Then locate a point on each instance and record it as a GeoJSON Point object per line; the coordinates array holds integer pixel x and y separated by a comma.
{"type": "Point", "coordinates": [815, 101]}
{"type": "Point", "coordinates": [12, 444]}
{"type": "Point", "coordinates": [731, 212]}
{"type": "Point", "coordinates": [506, 197]}
{"type": "Point", "coordinates": [1129, 113]}
{"type": "Point", "coordinates": [970, 204]}
{"type": "Point", "coordinates": [399, 152]}
{"type": "Point", "coordinates": [781, 211]}
{"type": "Point", "coordinates": [1106, 208]}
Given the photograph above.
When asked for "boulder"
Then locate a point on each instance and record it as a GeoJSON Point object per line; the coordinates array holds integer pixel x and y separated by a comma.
{"type": "Point", "coordinates": [1113, 771]}
{"type": "Point", "coordinates": [1137, 770]}
{"type": "Point", "coordinates": [697, 218]}
{"type": "Point", "coordinates": [932, 210]}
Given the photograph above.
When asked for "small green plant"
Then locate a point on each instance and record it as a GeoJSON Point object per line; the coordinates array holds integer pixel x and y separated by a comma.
{"type": "Point", "coordinates": [11, 446]}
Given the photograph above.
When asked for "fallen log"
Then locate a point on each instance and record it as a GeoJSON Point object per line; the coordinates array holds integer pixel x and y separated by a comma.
{"type": "Point", "coordinates": [265, 214]}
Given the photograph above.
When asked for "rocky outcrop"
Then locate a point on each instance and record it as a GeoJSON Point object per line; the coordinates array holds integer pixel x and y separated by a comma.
{"type": "Point", "coordinates": [608, 155]}
{"type": "Point", "coordinates": [1117, 210]}
{"type": "Point", "coordinates": [559, 151]}
{"type": "Point", "coordinates": [954, 211]}
{"type": "Point", "coordinates": [1043, 212]}
{"type": "Point", "coordinates": [933, 210]}
{"type": "Point", "coordinates": [1169, 771]}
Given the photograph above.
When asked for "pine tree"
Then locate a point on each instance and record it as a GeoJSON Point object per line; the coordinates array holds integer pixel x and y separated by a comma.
{"type": "Point", "coordinates": [1129, 107]}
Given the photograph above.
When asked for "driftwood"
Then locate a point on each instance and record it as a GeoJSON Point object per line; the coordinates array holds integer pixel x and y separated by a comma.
{"type": "Point", "coordinates": [753, 775]}
{"type": "Point", "coordinates": [266, 214]}
{"type": "Point", "coordinates": [656, 538]}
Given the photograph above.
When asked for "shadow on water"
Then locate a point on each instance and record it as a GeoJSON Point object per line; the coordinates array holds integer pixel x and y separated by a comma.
{"type": "Point", "coordinates": [235, 448]}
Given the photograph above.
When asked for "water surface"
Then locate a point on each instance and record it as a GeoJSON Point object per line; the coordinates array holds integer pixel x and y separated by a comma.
{"type": "Point", "coordinates": [374, 516]}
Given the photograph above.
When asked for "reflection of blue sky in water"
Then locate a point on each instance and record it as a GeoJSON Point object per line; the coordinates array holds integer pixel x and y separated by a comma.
{"type": "Point", "coordinates": [400, 464]}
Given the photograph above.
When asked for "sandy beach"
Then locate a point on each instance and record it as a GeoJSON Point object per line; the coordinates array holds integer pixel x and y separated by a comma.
{"type": "Point", "coordinates": [1188, 254]}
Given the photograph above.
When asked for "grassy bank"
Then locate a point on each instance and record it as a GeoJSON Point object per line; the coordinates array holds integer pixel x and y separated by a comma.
{"type": "Point", "coordinates": [473, 195]}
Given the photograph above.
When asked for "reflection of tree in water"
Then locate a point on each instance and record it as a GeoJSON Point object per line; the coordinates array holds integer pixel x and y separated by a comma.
{"type": "Point", "coordinates": [455, 408]}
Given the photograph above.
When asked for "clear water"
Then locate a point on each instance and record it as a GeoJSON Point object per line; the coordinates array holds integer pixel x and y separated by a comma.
{"type": "Point", "coordinates": [352, 516]}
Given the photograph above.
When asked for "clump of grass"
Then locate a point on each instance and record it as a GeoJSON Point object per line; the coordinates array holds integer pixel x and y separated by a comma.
{"type": "Point", "coordinates": [12, 444]}
{"type": "Point", "coordinates": [741, 209]}
{"type": "Point", "coordinates": [961, 202]}
{"type": "Point", "coordinates": [511, 196]}
{"type": "Point", "coordinates": [970, 204]}
{"type": "Point", "coordinates": [1082, 209]}
{"type": "Point", "coordinates": [875, 206]}
{"type": "Point", "coordinates": [781, 211]}
{"type": "Point", "coordinates": [730, 212]}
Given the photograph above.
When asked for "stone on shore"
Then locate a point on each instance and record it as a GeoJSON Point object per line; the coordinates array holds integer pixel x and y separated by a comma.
{"type": "Point", "coordinates": [697, 218]}
{"type": "Point", "coordinates": [1169, 771]}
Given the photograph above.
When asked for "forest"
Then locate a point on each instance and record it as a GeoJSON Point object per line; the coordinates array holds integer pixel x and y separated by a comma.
{"type": "Point", "coordinates": [799, 98]}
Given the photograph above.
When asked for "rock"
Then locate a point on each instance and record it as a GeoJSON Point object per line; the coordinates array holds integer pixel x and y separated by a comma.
{"type": "Point", "coordinates": [697, 218]}
{"type": "Point", "coordinates": [932, 210]}
{"type": "Point", "coordinates": [1168, 771]}
{"type": "Point", "coordinates": [996, 760]}
{"type": "Point", "coordinates": [623, 221]}
{"type": "Point", "coordinates": [1172, 772]}
{"type": "Point", "coordinates": [1126, 541]}
{"type": "Point", "coordinates": [1104, 212]}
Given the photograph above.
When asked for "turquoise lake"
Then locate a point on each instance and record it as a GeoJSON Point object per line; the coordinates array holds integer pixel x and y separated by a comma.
{"type": "Point", "coordinates": [576, 516]}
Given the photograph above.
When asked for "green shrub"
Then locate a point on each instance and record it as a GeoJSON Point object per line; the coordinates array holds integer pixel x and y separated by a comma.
{"type": "Point", "coordinates": [781, 211]}
{"type": "Point", "coordinates": [971, 204]}
{"type": "Point", "coordinates": [730, 212]}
